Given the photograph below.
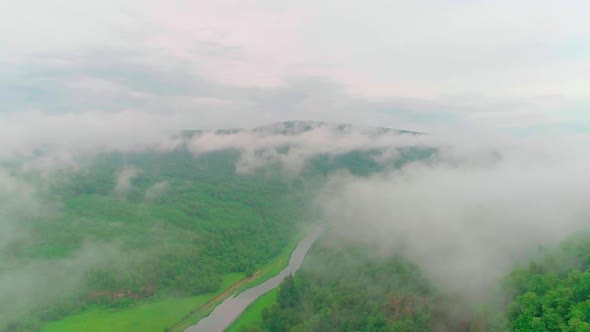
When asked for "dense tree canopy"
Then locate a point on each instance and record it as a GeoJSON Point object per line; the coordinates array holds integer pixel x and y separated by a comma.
{"type": "Point", "coordinates": [348, 290]}
{"type": "Point", "coordinates": [180, 223]}
{"type": "Point", "coordinates": [553, 294]}
{"type": "Point", "coordinates": [158, 223]}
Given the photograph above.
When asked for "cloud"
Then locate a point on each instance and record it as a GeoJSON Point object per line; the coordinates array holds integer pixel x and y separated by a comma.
{"type": "Point", "coordinates": [81, 131]}
{"type": "Point", "coordinates": [18, 199]}
{"type": "Point", "coordinates": [12, 185]}
{"type": "Point", "coordinates": [228, 61]}
{"type": "Point", "coordinates": [430, 48]}
{"type": "Point", "coordinates": [123, 181]}
{"type": "Point", "coordinates": [467, 215]}
{"type": "Point", "coordinates": [38, 285]}
{"type": "Point", "coordinates": [482, 203]}
{"type": "Point", "coordinates": [156, 190]}
{"type": "Point", "coordinates": [464, 215]}
{"type": "Point", "coordinates": [112, 81]}
{"type": "Point", "coordinates": [290, 145]}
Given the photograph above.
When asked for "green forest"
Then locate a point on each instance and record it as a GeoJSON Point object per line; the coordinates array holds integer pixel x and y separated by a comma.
{"type": "Point", "coordinates": [178, 227]}
{"type": "Point", "coordinates": [352, 288]}
{"type": "Point", "coordinates": [553, 292]}
{"type": "Point", "coordinates": [182, 228]}
{"type": "Point", "coordinates": [386, 295]}
{"type": "Point", "coordinates": [182, 224]}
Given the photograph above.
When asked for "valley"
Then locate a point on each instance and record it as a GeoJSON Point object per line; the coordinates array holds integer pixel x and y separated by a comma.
{"type": "Point", "coordinates": [201, 239]}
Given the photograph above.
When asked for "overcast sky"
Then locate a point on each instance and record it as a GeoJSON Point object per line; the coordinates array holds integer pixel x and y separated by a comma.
{"type": "Point", "coordinates": [521, 66]}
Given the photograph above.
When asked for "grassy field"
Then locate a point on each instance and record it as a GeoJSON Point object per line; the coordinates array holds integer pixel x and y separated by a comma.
{"type": "Point", "coordinates": [155, 315]}
{"type": "Point", "coordinates": [252, 316]}
{"type": "Point", "coordinates": [174, 314]}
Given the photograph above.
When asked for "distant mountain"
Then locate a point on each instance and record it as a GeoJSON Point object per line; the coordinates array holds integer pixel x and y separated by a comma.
{"type": "Point", "coordinates": [298, 127]}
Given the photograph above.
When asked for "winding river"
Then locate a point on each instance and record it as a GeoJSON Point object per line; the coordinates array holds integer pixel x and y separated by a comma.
{"type": "Point", "coordinates": [231, 308]}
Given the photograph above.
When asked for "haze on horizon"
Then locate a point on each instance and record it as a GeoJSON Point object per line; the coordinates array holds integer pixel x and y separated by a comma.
{"type": "Point", "coordinates": [430, 66]}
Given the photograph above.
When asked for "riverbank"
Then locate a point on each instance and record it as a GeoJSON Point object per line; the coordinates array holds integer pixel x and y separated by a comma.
{"type": "Point", "coordinates": [252, 316]}
{"type": "Point", "coordinates": [262, 275]}
{"type": "Point", "coordinates": [231, 308]}
{"type": "Point", "coordinates": [154, 315]}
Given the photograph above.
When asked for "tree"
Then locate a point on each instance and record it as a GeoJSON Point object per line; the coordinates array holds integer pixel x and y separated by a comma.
{"type": "Point", "coordinates": [288, 295]}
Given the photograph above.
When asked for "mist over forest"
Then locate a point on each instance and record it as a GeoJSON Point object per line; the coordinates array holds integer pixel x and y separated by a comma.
{"type": "Point", "coordinates": [119, 225]}
{"type": "Point", "coordinates": [294, 166]}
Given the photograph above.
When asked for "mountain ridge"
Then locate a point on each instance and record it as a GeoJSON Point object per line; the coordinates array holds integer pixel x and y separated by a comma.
{"type": "Point", "coordinates": [297, 127]}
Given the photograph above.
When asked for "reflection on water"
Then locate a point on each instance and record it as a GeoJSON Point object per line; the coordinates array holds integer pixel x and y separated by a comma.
{"type": "Point", "coordinates": [225, 313]}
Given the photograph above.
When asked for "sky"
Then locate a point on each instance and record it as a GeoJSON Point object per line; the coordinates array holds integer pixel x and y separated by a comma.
{"type": "Point", "coordinates": [519, 67]}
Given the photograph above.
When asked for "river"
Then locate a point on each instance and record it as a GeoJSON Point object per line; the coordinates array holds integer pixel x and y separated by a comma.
{"type": "Point", "coordinates": [231, 308]}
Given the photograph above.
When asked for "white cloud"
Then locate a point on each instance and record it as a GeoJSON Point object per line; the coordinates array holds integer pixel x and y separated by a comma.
{"type": "Point", "coordinates": [259, 149]}
{"type": "Point", "coordinates": [80, 132]}
{"type": "Point", "coordinates": [466, 216]}
{"type": "Point", "coordinates": [123, 181]}
{"type": "Point", "coordinates": [156, 190]}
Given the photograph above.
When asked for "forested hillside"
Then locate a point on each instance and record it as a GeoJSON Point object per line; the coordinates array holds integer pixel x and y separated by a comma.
{"type": "Point", "coordinates": [175, 226]}
{"type": "Point", "coordinates": [356, 288]}
{"type": "Point", "coordinates": [346, 288]}
{"type": "Point", "coordinates": [120, 228]}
